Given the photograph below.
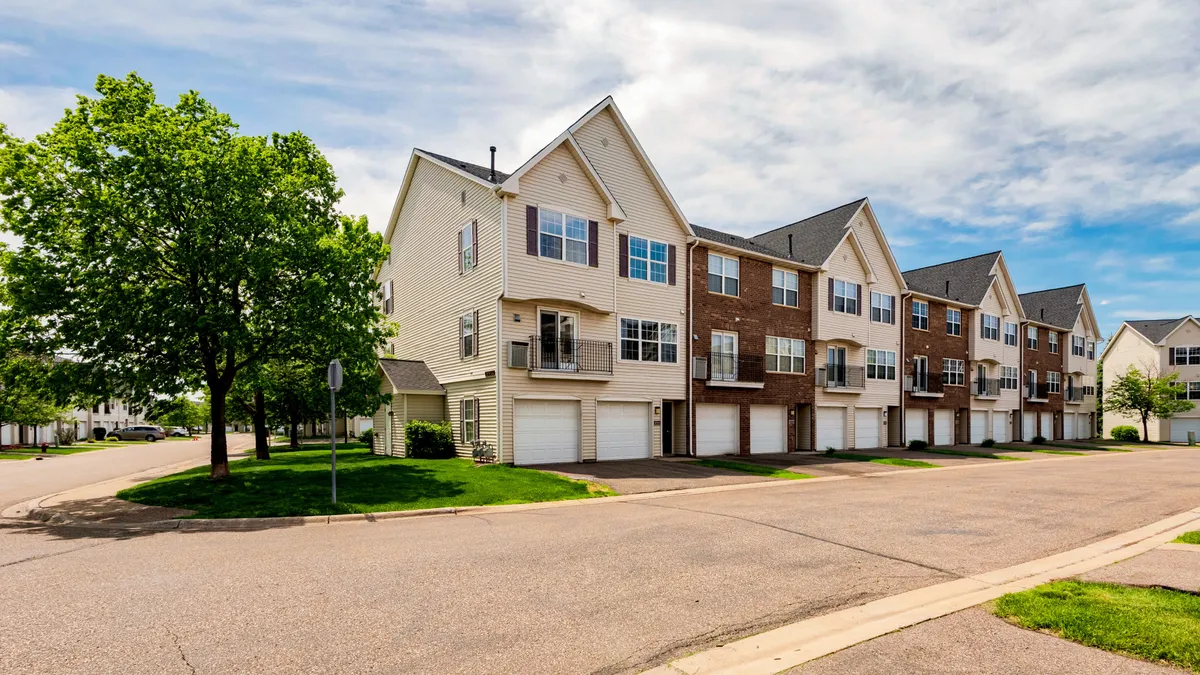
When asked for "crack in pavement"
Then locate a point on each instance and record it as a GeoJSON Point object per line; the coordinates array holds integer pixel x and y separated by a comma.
{"type": "Point", "coordinates": [56, 553]}
{"type": "Point", "coordinates": [179, 647]}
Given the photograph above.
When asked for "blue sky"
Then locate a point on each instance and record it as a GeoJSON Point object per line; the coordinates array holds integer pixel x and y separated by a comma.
{"type": "Point", "coordinates": [1066, 133]}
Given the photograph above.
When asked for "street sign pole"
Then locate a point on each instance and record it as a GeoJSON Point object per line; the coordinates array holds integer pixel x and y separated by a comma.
{"type": "Point", "coordinates": [335, 383]}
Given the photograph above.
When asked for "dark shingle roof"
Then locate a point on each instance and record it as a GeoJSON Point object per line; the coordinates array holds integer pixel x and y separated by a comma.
{"type": "Point", "coordinates": [1058, 307]}
{"type": "Point", "coordinates": [965, 280]}
{"type": "Point", "coordinates": [1155, 330]}
{"type": "Point", "coordinates": [813, 239]}
{"type": "Point", "coordinates": [474, 169]}
{"type": "Point", "coordinates": [410, 376]}
{"type": "Point", "coordinates": [735, 241]}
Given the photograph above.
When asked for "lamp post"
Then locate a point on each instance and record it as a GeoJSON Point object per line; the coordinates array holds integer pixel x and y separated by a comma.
{"type": "Point", "coordinates": [335, 383]}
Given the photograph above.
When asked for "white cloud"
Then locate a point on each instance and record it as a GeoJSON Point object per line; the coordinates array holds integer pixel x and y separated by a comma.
{"type": "Point", "coordinates": [12, 49]}
{"type": "Point", "coordinates": [28, 111]}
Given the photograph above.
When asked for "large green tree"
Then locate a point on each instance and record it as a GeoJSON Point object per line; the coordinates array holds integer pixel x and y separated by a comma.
{"type": "Point", "coordinates": [1146, 395]}
{"type": "Point", "coordinates": [170, 252]}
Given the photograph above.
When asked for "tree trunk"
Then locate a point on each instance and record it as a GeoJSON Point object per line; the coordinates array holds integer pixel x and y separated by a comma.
{"type": "Point", "coordinates": [346, 421]}
{"type": "Point", "coordinates": [262, 444]}
{"type": "Point", "coordinates": [295, 434]}
{"type": "Point", "coordinates": [220, 448]}
{"type": "Point", "coordinates": [1145, 429]}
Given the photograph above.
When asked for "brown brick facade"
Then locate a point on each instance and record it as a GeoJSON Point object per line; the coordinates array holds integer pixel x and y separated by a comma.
{"type": "Point", "coordinates": [936, 345]}
{"type": "Point", "coordinates": [1044, 362]}
{"type": "Point", "coordinates": [753, 316]}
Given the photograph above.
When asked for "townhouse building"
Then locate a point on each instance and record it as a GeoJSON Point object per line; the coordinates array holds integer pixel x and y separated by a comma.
{"type": "Point", "coordinates": [1059, 337]}
{"type": "Point", "coordinates": [961, 352]}
{"type": "Point", "coordinates": [1160, 346]}
{"type": "Point", "coordinates": [543, 311]}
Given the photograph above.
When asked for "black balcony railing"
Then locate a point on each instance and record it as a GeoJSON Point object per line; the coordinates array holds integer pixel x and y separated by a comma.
{"type": "Point", "coordinates": [927, 383]}
{"type": "Point", "coordinates": [986, 387]}
{"type": "Point", "coordinates": [842, 377]}
{"type": "Point", "coordinates": [735, 368]}
{"type": "Point", "coordinates": [570, 355]}
{"type": "Point", "coordinates": [1073, 395]}
{"type": "Point", "coordinates": [1037, 392]}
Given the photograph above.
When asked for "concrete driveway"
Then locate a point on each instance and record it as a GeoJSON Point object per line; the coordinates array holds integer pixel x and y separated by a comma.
{"type": "Point", "coordinates": [602, 587]}
{"type": "Point", "coordinates": [652, 475]}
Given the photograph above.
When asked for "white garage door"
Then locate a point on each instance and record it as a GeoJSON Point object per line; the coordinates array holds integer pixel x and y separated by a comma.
{"type": "Point", "coordinates": [1069, 426]}
{"type": "Point", "coordinates": [1180, 429]}
{"type": "Point", "coordinates": [768, 429]}
{"type": "Point", "coordinates": [1047, 431]}
{"type": "Point", "coordinates": [1028, 426]}
{"type": "Point", "coordinates": [1000, 426]}
{"type": "Point", "coordinates": [866, 428]}
{"type": "Point", "coordinates": [622, 431]}
{"type": "Point", "coordinates": [546, 432]}
{"type": "Point", "coordinates": [943, 427]}
{"type": "Point", "coordinates": [916, 422]}
{"type": "Point", "coordinates": [978, 426]}
{"type": "Point", "coordinates": [831, 428]}
{"type": "Point", "coordinates": [716, 429]}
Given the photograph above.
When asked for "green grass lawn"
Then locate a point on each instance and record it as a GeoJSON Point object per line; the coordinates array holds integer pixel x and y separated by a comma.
{"type": "Point", "coordinates": [965, 453]}
{"type": "Point", "coordinates": [77, 448]}
{"type": "Point", "coordinates": [1189, 538]}
{"type": "Point", "coordinates": [1155, 624]}
{"type": "Point", "coordinates": [891, 461]}
{"type": "Point", "coordinates": [1022, 448]}
{"type": "Point", "coordinates": [1085, 446]}
{"type": "Point", "coordinates": [297, 484]}
{"type": "Point", "coordinates": [15, 455]}
{"type": "Point", "coordinates": [756, 469]}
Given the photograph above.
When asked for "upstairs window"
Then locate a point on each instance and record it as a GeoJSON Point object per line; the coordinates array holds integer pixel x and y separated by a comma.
{"type": "Point", "coordinates": [1010, 334]}
{"type": "Point", "coordinates": [1053, 342]}
{"type": "Point", "coordinates": [1055, 382]}
{"type": "Point", "coordinates": [1185, 356]}
{"type": "Point", "coordinates": [881, 365]}
{"type": "Point", "coordinates": [466, 247]}
{"type": "Point", "coordinates": [785, 288]}
{"type": "Point", "coordinates": [647, 260]}
{"type": "Point", "coordinates": [1091, 349]}
{"type": "Point", "coordinates": [1031, 338]}
{"type": "Point", "coordinates": [882, 307]}
{"type": "Point", "coordinates": [466, 335]}
{"type": "Point", "coordinates": [785, 355]}
{"type": "Point", "coordinates": [649, 341]}
{"type": "Point", "coordinates": [387, 297]}
{"type": "Point", "coordinates": [920, 315]}
{"type": "Point", "coordinates": [845, 297]}
{"type": "Point", "coordinates": [467, 417]}
{"type": "Point", "coordinates": [954, 372]}
{"type": "Point", "coordinates": [562, 237]}
{"type": "Point", "coordinates": [1010, 378]}
{"type": "Point", "coordinates": [953, 321]}
{"type": "Point", "coordinates": [722, 275]}
{"type": "Point", "coordinates": [1188, 390]}
{"type": "Point", "coordinates": [1078, 345]}
{"type": "Point", "coordinates": [990, 327]}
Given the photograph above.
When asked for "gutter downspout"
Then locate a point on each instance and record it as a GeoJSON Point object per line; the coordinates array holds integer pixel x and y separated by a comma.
{"type": "Point", "coordinates": [691, 449]}
{"type": "Point", "coordinates": [500, 366]}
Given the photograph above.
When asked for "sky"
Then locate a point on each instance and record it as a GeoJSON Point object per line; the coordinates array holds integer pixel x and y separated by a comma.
{"type": "Point", "coordinates": [1065, 133]}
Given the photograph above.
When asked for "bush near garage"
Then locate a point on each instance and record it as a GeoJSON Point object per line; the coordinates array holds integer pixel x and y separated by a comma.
{"type": "Point", "coordinates": [917, 445]}
{"type": "Point", "coordinates": [368, 437]}
{"type": "Point", "coordinates": [428, 440]}
{"type": "Point", "coordinates": [1038, 440]}
{"type": "Point", "coordinates": [988, 443]}
{"type": "Point", "coordinates": [1126, 433]}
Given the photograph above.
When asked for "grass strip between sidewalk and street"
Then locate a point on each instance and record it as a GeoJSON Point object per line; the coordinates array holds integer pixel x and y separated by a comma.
{"type": "Point", "coordinates": [1188, 538]}
{"type": "Point", "coordinates": [298, 484]}
{"type": "Point", "coordinates": [891, 461]}
{"type": "Point", "coordinates": [1085, 446]}
{"type": "Point", "coordinates": [756, 469]}
{"type": "Point", "coordinates": [1044, 451]}
{"type": "Point", "coordinates": [16, 455]}
{"type": "Point", "coordinates": [965, 453]}
{"type": "Point", "coordinates": [1155, 624]}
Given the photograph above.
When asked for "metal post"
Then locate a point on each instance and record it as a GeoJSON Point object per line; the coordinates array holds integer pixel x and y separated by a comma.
{"type": "Point", "coordinates": [333, 438]}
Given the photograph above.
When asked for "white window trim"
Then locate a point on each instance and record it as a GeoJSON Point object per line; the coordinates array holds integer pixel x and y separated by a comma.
{"type": "Point", "coordinates": [924, 316]}
{"type": "Point", "coordinates": [563, 236]}
{"type": "Point", "coordinates": [469, 401]}
{"type": "Point", "coordinates": [954, 323]}
{"type": "Point", "coordinates": [1081, 342]}
{"type": "Point", "coordinates": [784, 288]}
{"type": "Point", "coordinates": [957, 367]}
{"type": "Point", "coordinates": [1010, 375]}
{"type": "Point", "coordinates": [463, 333]}
{"type": "Point", "coordinates": [1187, 355]}
{"type": "Point", "coordinates": [465, 249]}
{"type": "Point", "coordinates": [659, 362]}
{"type": "Point", "coordinates": [802, 357]}
{"type": "Point", "coordinates": [893, 366]}
{"type": "Point", "coordinates": [846, 299]}
{"type": "Point", "coordinates": [388, 305]}
{"type": "Point", "coordinates": [891, 309]}
{"type": "Point", "coordinates": [737, 277]}
{"type": "Point", "coordinates": [650, 262]}
{"type": "Point", "coordinates": [1054, 379]}
{"type": "Point", "coordinates": [1052, 340]}
{"type": "Point", "coordinates": [983, 334]}
{"type": "Point", "coordinates": [1031, 338]}
{"type": "Point", "coordinates": [1015, 334]}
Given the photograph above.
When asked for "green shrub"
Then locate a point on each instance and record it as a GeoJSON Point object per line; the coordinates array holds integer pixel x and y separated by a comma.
{"type": "Point", "coordinates": [1126, 433]}
{"type": "Point", "coordinates": [367, 436]}
{"type": "Point", "coordinates": [428, 440]}
{"type": "Point", "coordinates": [917, 445]}
{"type": "Point", "coordinates": [1038, 440]}
{"type": "Point", "coordinates": [988, 443]}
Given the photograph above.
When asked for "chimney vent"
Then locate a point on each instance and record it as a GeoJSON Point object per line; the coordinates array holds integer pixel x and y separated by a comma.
{"type": "Point", "coordinates": [947, 288]}
{"type": "Point", "coordinates": [492, 176]}
{"type": "Point", "coordinates": [789, 245]}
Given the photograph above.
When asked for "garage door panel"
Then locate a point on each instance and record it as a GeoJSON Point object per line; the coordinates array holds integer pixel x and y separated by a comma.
{"type": "Point", "coordinates": [622, 431]}
{"type": "Point", "coordinates": [1047, 426]}
{"type": "Point", "coordinates": [768, 429]}
{"type": "Point", "coordinates": [831, 428]}
{"type": "Point", "coordinates": [943, 427]}
{"type": "Point", "coordinates": [546, 432]}
{"type": "Point", "coordinates": [716, 429]}
{"type": "Point", "coordinates": [866, 428]}
{"type": "Point", "coordinates": [1069, 426]}
{"type": "Point", "coordinates": [978, 426]}
{"type": "Point", "coordinates": [1180, 429]}
{"type": "Point", "coordinates": [1000, 426]}
{"type": "Point", "coordinates": [916, 424]}
{"type": "Point", "coordinates": [1029, 427]}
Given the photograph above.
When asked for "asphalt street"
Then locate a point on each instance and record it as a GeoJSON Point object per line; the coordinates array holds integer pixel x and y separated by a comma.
{"type": "Point", "coordinates": [600, 587]}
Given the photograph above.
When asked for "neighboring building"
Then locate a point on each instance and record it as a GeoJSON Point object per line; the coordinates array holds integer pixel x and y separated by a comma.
{"type": "Point", "coordinates": [1162, 345]}
{"type": "Point", "coordinates": [547, 303]}
{"type": "Point", "coordinates": [962, 354]}
{"type": "Point", "coordinates": [1059, 340]}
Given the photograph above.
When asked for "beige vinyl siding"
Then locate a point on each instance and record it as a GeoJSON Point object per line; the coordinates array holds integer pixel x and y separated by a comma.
{"type": "Point", "coordinates": [533, 277]}
{"type": "Point", "coordinates": [994, 353]}
{"type": "Point", "coordinates": [379, 420]}
{"type": "Point", "coordinates": [1187, 335]}
{"type": "Point", "coordinates": [1081, 364]}
{"type": "Point", "coordinates": [1131, 349]}
{"type": "Point", "coordinates": [485, 391]}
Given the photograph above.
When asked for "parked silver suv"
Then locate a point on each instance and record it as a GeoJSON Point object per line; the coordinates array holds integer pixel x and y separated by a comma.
{"type": "Point", "coordinates": [142, 433]}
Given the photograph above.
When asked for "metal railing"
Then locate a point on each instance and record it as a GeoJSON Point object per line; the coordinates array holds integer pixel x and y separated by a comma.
{"type": "Point", "coordinates": [1038, 392]}
{"type": "Point", "coordinates": [927, 383]}
{"type": "Point", "coordinates": [1073, 395]}
{"type": "Point", "coordinates": [842, 377]}
{"type": "Point", "coordinates": [570, 356]}
{"type": "Point", "coordinates": [985, 387]}
{"type": "Point", "coordinates": [734, 368]}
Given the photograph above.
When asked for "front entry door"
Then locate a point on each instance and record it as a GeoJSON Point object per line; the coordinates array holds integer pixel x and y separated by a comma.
{"type": "Point", "coordinates": [668, 427]}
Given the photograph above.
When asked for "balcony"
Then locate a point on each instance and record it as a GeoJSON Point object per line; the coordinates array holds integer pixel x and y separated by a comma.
{"type": "Point", "coordinates": [926, 385]}
{"type": "Point", "coordinates": [570, 359]}
{"type": "Point", "coordinates": [1037, 393]}
{"type": "Point", "coordinates": [849, 379]}
{"type": "Point", "coordinates": [1073, 395]}
{"type": "Point", "coordinates": [735, 370]}
{"type": "Point", "coordinates": [986, 388]}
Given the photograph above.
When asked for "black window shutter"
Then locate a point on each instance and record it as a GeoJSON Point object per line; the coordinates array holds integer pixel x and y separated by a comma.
{"type": "Point", "coordinates": [1171, 356]}
{"type": "Point", "coordinates": [474, 243]}
{"type": "Point", "coordinates": [671, 264]}
{"type": "Point", "coordinates": [462, 420]}
{"type": "Point", "coordinates": [831, 294]}
{"type": "Point", "coordinates": [895, 309]}
{"type": "Point", "coordinates": [858, 300]}
{"type": "Point", "coordinates": [593, 243]}
{"type": "Point", "coordinates": [461, 328]}
{"type": "Point", "coordinates": [623, 267]}
{"type": "Point", "coordinates": [531, 230]}
{"type": "Point", "coordinates": [458, 252]}
{"type": "Point", "coordinates": [475, 405]}
{"type": "Point", "coordinates": [476, 331]}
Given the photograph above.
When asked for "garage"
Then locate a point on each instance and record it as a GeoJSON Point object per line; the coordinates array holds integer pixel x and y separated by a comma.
{"type": "Point", "coordinates": [716, 429]}
{"type": "Point", "coordinates": [831, 428]}
{"type": "Point", "coordinates": [1180, 429]}
{"type": "Point", "coordinates": [916, 423]}
{"type": "Point", "coordinates": [1069, 426]}
{"type": "Point", "coordinates": [1000, 426]}
{"type": "Point", "coordinates": [1028, 426]}
{"type": "Point", "coordinates": [978, 426]}
{"type": "Point", "coordinates": [622, 430]}
{"type": "Point", "coordinates": [867, 423]}
{"type": "Point", "coordinates": [1047, 431]}
{"type": "Point", "coordinates": [943, 427]}
{"type": "Point", "coordinates": [768, 429]}
{"type": "Point", "coordinates": [546, 432]}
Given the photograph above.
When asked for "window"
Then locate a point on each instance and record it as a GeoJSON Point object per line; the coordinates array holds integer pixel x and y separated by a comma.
{"type": "Point", "coordinates": [649, 341]}
{"type": "Point", "coordinates": [882, 307]}
{"type": "Point", "coordinates": [466, 247]}
{"type": "Point", "coordinates": [387, 297]}
{"type": "Point", "coordinates": [953, 321]}
{"type": "Point", "coordinates": [467, 418]}
{"type": "Point", "coordinates": [1185, 356]}
{"type": "Point", "coordinates": [1091, 346]}
{"type": "Point", "coordinates": [723, 357]}
{"type": "Point", "coordinates": [881, 365]}
{"type": "Point", "coordinates": [647, 260]}
{"type": "Point", "coordinates": [785, 288]}
{"type": "Point", "coordinates": [562, 237]}
{"type": "Point", "coordinates": [1031, 338]}
{"type": "Point", "coordinates": [466, 335]}
{"type": "Point", "coordinates": [845, 297]}
{"type": "Point", "coordinates": [991, 327]}
{"type": "Point", "coordinates": [1053, 341]}
{"type": "Point", "coordinates": [1010, 334]}
{"type": "Point", "coordinates": [1188, 390]}
{"type": "Point", "coordinates": [722, 274]}
{"type": "Point", "coordinates": [920, 315]}
{"type": "Point", "coordinates": [1077, 345]}
{"type": "Point", "coordinates": [954, 371]}
{"type": "Point", "coordinates": [1009, 377]}
{"type": "Point", "coordinates": [785, 355]}
{"type": "Point", "coordinates": [1055, 382]}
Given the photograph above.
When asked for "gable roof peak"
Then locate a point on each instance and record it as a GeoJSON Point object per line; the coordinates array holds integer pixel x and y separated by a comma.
{"type": "Point", "coordinates": [481, 172]}
{"type": "Point", "coordinates": [813, 239]}
{"type": "Point", "coordinates": [1157, 330]}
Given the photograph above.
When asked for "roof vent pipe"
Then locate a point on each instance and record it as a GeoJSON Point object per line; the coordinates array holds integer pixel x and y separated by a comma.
{"type": "Point", "coordinates": [492, 175]}
{"type": "Point", "coordinates": [947, 288]}
{"type": "Point", "coordinates": [1043, 315]}
{"type": "Point", "coordinates": [789, 245]}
